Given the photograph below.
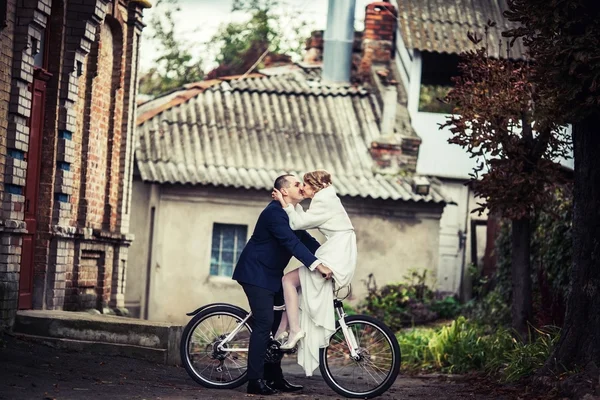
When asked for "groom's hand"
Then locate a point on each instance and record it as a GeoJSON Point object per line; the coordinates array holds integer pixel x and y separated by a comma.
{"type": "Point", "coordinates": [325, 271]}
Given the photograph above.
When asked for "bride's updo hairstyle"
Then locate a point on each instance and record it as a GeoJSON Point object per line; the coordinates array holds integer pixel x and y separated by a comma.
{"type": "Point", "coordinates": [318, 179]}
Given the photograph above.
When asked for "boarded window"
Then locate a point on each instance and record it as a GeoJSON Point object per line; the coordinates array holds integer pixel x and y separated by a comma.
{"type": "Point", "coordinates": [227, 244]}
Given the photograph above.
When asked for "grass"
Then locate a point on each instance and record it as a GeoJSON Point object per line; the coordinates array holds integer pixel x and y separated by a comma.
{"type": "Point", "coordinates": [465, 346]}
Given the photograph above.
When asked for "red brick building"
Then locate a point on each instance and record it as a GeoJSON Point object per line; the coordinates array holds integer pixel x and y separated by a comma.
{"type": "Point", "coordinates": [68, 72]}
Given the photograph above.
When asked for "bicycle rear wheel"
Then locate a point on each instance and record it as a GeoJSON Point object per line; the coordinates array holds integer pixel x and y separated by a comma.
{"type": "Point", "coordinates": [200, 355]}
{"type": "Point", "coordinates": [376, 367]}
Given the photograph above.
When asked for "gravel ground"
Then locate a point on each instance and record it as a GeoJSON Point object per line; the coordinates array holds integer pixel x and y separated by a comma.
{"type": "Point", "coordinates": [34, 371]}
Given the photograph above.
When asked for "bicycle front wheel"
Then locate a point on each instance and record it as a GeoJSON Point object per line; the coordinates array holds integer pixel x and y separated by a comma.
{"type": "Point", "coordinates": [375, 367]}
{"type": "Point", "coordinates": [208, 360]}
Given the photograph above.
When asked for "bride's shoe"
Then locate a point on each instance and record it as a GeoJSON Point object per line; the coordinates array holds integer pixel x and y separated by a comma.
{"type": "Point", "coordinates": [291, 343]}
{"type": "Point", "coordinates": [282, 336]}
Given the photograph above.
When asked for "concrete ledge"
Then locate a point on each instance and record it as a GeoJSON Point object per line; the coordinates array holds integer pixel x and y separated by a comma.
{"type": "Point", "coordinates": [158, 356]}
{"type": "Point", "coordinates": [154, 341]}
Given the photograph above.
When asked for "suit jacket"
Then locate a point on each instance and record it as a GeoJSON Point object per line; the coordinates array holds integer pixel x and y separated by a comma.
{"type": "Point", "coordinates": [269, 250]}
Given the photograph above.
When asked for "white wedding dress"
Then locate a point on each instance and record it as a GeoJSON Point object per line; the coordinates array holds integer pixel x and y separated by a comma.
{"type": "Point", "coordinates": [338, 253]}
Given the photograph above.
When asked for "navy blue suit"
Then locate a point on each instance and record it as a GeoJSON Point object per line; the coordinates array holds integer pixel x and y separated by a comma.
{"type": "Point", "coordinates": [259, 270]}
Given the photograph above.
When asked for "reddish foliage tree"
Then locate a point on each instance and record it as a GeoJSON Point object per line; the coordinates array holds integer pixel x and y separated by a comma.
{"type": "Point", "coordinates": [500, 118]}
{"type": "Point", "coordinates": [564, 39]}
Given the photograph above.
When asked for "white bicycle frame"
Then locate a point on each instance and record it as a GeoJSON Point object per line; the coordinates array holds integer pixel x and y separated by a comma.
{"type": "Point", "coordinates": [348, 334]}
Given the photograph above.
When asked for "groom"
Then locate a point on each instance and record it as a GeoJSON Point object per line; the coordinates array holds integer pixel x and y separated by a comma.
{"type": "Point", "coordinates": [259, 271]}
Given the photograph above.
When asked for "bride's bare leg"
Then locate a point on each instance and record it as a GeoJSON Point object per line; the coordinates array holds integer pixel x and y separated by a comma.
{"type": "Point", "coordinates": [291, 283]}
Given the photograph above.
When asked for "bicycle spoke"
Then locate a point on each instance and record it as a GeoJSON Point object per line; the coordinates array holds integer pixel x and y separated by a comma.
{"type": "Point", "coordinates": [375, 358]}
{"type": "Point", "coordinates": [206, 360]}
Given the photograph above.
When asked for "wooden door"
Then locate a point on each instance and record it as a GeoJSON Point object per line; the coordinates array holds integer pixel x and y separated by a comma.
{"type": "Point", "coordinates": [32, 185]}
{"type": "Point", "coordinates": [452, 240]}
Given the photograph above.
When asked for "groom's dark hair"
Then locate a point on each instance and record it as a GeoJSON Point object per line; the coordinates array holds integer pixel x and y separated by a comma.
{"type": "Point", "coordinates": [282, 182]}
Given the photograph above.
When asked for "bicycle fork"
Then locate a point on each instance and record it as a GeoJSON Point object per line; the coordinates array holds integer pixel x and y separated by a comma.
{"type": "Point", "coordinates": [348, 334]}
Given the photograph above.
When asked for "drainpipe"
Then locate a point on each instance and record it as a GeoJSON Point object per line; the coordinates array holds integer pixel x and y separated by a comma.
{"type": "Point", "coordinates": [339, 39]}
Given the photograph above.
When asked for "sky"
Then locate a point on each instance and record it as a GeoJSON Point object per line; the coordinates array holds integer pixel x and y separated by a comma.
{"type": "Point", "coordinates": [199, 20]}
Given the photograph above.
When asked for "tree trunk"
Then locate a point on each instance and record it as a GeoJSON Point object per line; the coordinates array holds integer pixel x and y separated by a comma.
{"type": "Point", "coordinates": [521, 276]}
{"type": "Point", "coordinates": [580, 337]}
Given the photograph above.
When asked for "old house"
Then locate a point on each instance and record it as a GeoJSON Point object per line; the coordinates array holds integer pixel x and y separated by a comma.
{"type": "Point", "coordinates": [430, 36]}
{"type": "Point", "coordinates": [208, 153]}
{"type": "Point", "coordinates": [67, 112]}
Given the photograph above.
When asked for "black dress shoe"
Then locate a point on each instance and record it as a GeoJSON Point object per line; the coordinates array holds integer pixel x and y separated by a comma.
{"type": "Point", "coordinates": [284, 386]}
{"type": "Point", "coordinates": [259, 386]}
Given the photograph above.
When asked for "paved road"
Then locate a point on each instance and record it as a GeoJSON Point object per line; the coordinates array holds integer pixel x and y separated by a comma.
{"type": "Point", "coordinates": [32, 371]}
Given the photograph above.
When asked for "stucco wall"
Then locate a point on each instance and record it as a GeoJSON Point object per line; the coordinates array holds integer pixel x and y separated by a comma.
{"type": "Point", "coordinates": [141, 200]}
{"type": "Point", "coordinates": [390, 243]}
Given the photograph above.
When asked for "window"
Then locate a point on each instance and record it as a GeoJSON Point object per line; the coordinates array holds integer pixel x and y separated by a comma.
{"type": "Point", "coordinates": [227, 244]}
{"type": "Point", "coordinates": [3, 16]}
{"type": "Point", "coordinates": [436, 81]}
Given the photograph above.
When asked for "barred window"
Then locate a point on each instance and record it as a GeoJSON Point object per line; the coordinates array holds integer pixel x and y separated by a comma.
{"type": "Point", "coordinates": [227, 243]}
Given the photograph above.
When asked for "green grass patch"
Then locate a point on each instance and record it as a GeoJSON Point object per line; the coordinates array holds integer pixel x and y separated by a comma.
{"type": "Point", "coordinates": [465, 346]}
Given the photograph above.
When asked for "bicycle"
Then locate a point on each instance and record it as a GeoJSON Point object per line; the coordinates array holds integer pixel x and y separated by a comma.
{"type": "Point", "coordinates": [214, 349]}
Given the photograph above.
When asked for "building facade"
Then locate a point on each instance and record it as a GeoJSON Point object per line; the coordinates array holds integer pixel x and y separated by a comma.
{"type": "Point", "coordinates": [67, 112]}
{"type": "Point", "coordinates": [430, 36]}
{"type": "Point", "coordinates": [207, 155]}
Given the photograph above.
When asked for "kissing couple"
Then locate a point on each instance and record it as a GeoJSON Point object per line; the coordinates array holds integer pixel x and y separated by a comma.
{"type": "Point", "coordinates": [279, 234]}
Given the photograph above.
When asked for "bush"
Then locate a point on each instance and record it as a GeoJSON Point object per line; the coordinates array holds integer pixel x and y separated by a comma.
{"type": "Point", "coordinates": [492, 310]}
{"type": "Point", "coordinates": [551, 259]}
{"type": "Point", "coordinates": [465, 346]}
{"type": "Point", "coordinates": [404, 304]}
{"type": "Point", "coordinates": [529, 357]}
{"type": "Point", "coordinates": [349, 310]}
{"type": "Point", "coordinates": [448, 307]}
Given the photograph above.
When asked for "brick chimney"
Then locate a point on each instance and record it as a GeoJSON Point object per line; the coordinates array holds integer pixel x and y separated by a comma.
{"type": "Point", "coordinates": [379, 36]}
{"type": "Point", "coordinates": [314, 48]}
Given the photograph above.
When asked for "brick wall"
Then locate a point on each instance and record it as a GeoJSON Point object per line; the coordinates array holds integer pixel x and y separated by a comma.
{"type": "Point", "coordinates": [81, 242]}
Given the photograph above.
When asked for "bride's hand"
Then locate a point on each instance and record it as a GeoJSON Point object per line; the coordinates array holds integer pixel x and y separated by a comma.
{"type": "Point", "coordinates": [276, 195]}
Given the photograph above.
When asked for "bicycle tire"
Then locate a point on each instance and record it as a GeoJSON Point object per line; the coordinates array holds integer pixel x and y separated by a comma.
{"type": "Point", "coordinates": [185, 341]}
{"type": "Point", "coordinates": [390, 378]}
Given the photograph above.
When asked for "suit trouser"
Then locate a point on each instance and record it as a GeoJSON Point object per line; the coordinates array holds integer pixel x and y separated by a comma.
{"type": "Point", "coordinates": [266, 321]}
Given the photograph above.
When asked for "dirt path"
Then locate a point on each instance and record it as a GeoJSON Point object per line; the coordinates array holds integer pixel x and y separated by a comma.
{"type": "Point", "coordinates": [33, 371]}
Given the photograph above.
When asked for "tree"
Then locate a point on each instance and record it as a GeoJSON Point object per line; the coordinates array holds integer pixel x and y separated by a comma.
{"type": "Point", "coordinates": [267, 33]}
{"type": "Point", "coordinates": [495, 110]}
{"type": "Point", "coordinates": [174, 64]}
{"type": "Point", "coordinates": [564, 39]}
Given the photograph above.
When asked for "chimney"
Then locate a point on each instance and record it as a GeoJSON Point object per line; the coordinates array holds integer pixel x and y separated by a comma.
{"type": "Point", "coordinates": [314, 48]}
{"type": "Point", "coordinates": [339, 38]}
{"type": "Point", "coordinates": [379, 36]}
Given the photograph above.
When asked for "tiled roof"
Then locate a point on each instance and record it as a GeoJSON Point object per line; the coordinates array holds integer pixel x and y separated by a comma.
{"type": "Point", "coordinates": [245, 132]}
{"type": "Point", "coordinates": [441, 25]}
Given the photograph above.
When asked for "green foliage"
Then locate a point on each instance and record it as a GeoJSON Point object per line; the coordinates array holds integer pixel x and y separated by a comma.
{"type": "Point", "coordinates": [174, 64]}
{"type": "Point", "coordinates": [552, 240]}
{"type": "Point", "coordinates": [493, 309]}
{"type": "Point", "coordinates": [448, 307]}
{"type": "Point", "coordinates": [430, 99]}
{"type": "Point", "coordinates": [465, 346]}
{"type": "Point", "coordinates": [414, 347]}
{"type": "Point", "coordinates": [551, 261]}
{"type": "Point", "coordinates": [527, 358]}
{"type": "Point", "coordinates": [239, 45]}
{"type": "Point", "coordinates": [349, 310]}
{"type": "Point", "coordinates": [404, 304]}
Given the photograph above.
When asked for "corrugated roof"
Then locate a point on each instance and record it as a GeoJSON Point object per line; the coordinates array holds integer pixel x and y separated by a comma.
{"type": "Point", "coordinates": [441, 25]}
{"type": "Point", "coordinates": [245, 132]}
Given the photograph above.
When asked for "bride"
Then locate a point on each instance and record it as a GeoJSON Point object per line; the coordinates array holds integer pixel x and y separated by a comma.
{"type": "Point", "coordinates": [308, 295]}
